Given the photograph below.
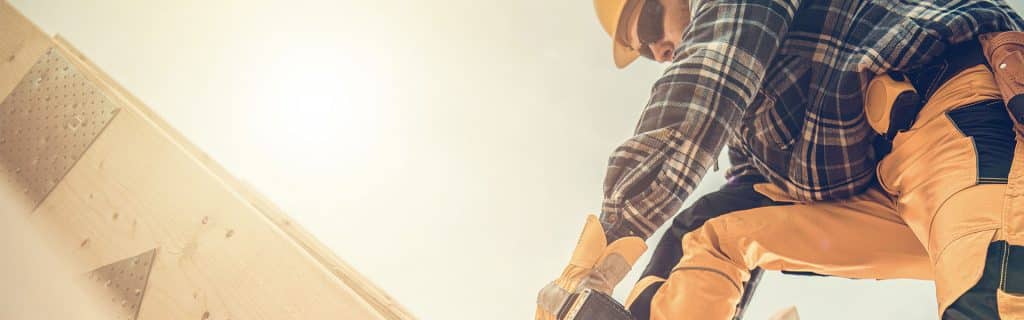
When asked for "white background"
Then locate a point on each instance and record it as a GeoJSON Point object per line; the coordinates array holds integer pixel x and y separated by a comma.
{"type": "Point", "coordinates": [449, 150]}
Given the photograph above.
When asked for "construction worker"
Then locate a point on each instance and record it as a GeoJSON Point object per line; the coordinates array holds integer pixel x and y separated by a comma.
{"type": "Point", "coordinates": [784, 82]}
{"type": "Point", "coordinates": [958, 151]}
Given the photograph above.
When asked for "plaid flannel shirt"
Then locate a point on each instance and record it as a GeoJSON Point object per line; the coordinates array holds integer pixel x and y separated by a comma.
{"type": "Point", "coordinates": [781, 81]}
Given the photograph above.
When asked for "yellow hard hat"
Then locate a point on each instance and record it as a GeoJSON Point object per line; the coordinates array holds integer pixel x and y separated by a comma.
{"type": "Point", "coordinates": [610, 14]}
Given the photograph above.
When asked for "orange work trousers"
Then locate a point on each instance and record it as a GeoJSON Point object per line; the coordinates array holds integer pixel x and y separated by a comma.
{"type": "Point", "coordinates": [931, 217]}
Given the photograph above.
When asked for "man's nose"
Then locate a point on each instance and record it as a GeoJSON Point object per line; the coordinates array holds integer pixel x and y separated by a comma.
{"type": "Point", "coordinates": [662, 51]}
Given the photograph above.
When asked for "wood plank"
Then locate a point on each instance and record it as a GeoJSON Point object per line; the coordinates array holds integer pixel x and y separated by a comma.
{"type": "Point", "coordinates": [37, 281]}
{"type": "Point", "coordinates": [142, 185]}
{"type": "Point", "coordinates": [135, 189]}
{"type": "Point", "coordinates": [380, 300]}
{"type": "Point", "coordinates": [20, 45]}
{"type": "Point", "coordinates": [789, 313]}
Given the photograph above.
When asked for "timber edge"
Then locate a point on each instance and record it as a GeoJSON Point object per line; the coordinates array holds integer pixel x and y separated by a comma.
{"type": "Point", "coordinates": [380, 301]}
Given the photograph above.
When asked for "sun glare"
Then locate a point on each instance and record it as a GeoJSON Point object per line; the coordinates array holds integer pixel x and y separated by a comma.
{"type": "Point", "coordinates": [316, 104]}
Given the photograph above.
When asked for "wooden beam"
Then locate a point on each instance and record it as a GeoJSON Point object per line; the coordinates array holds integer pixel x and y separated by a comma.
{"type": "Point", "coordinates": [380, 300]}
{"type": "Point", "coordinates": [224, 251]}
{"type": "Point", "coordinates": [788, 313]}
{"type": "Point", "coordinates": [21, 43]}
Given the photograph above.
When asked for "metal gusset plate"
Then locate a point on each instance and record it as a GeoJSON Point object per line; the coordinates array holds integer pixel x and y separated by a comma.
{"type": "Point", "coordinates": [47, 122]}
{"type": "Point", "coordinates": [124, 282]}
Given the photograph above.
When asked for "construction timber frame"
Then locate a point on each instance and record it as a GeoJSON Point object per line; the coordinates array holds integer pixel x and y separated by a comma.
{"type": "Point", "coordinates": [138, 208]}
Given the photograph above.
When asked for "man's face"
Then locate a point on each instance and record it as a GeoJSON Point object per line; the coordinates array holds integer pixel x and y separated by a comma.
{"type": "Point", "coordinates": [656, 28]}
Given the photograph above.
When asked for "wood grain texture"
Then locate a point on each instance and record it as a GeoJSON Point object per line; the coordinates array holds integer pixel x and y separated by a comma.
{"type": "Point", "coordinates": [20, 45]}
{"type": "Point", "coordinates": [388, 307]}
{"type": "Point", "coordinates": [385, 305]}
{"type": "Point", "coordinates": [225, 252]}
{"type": "Point", "coordinates": [218, 255]}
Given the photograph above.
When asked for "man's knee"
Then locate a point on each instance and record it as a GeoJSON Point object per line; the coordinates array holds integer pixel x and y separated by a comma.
{"type": "Point", "coordinates": [713, 246]}
{"type": "Point", "coordinates": [712, 232]}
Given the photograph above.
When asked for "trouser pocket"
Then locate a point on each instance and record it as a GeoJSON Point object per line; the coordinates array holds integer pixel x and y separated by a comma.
{"type": "Point", "coordinates": [1011, 268]}
{"type": "Point", "coordinates": [999, 293]}
{"type": "Point", "coordinates": [1011, 306]}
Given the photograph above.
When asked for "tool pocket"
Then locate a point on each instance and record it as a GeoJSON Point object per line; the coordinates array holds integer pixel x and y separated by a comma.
{"type": "Point", "coordinates": [990, 129]}
{"type": "Point", "coordinates": [1010, 296]}
{"type": "Point", "coordinates": [1011, 306]}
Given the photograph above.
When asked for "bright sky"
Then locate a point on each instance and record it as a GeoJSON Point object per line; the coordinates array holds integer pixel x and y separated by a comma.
{"type": "Point", "coordinates": [448, 150]}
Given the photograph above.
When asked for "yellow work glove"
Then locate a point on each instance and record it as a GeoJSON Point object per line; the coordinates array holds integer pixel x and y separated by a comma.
{"type": "Point", "coordinates": [596, 264]}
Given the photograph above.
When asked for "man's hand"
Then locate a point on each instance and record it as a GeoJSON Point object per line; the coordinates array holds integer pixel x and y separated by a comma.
{"type": "Point", "coordinates": [595, 265]}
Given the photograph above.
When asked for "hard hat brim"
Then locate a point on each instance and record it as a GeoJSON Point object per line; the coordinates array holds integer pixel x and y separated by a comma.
{"type": "Point", "coordinates": [610, 13]}
{"type": "Point", "coordinates": [623, 55]}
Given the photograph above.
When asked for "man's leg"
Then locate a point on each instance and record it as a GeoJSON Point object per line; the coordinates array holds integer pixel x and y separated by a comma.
{"type": "Point", "coordinates": [858, 238]}
{"type": "Point", "coordinates": [735, 196]}
{"type": "Point", "coordinates": [951, 171]}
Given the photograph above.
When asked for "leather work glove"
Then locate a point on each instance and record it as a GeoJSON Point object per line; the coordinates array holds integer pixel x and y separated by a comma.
{"type": "Point", "coordinates": [595, 264]}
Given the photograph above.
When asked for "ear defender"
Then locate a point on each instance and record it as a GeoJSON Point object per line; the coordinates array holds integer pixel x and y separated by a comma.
{"type": "Point", "coordinates": [891, 103]}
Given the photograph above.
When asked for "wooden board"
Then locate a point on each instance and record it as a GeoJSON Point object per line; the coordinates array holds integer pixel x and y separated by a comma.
{"type": "Point", "coordinates": [21, 43]}
{"type": "Point", "coordinates": [381, 301]}
{"type": "Point", "coordinates": [223, 251]}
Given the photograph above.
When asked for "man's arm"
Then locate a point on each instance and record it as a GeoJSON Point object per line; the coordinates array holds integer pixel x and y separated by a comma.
{"type": "Point", "coordinates": [694, 107]}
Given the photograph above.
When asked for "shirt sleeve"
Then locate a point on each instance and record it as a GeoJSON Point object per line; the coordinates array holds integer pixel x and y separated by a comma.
{"type": "Point", "coordinates": [694, 107]}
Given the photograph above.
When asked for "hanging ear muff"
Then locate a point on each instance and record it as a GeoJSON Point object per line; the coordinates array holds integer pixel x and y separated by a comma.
{"type": "Point", "coordinates": [891, 104]}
